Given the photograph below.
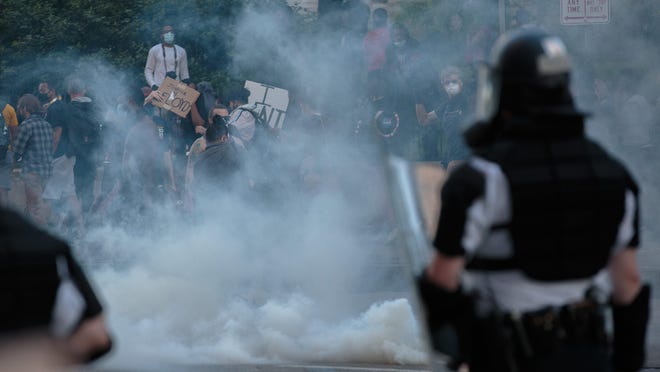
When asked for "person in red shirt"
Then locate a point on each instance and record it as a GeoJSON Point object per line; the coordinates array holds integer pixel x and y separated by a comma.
{"type": "Point", "coordinates": [376, 40]}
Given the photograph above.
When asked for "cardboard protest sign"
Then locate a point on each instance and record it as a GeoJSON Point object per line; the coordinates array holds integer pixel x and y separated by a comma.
{"type": "Point", "coordinates": [174, 96]}
{"type": "Point", "coordinates": [271, 102]}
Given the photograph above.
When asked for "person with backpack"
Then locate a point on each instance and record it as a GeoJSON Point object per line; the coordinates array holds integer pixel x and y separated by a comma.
{"type": "Point", "coordinates": [217, 167]}
{"type": "Point", "coordinates": [84, 141]}
{"type": "Point", "coordinates": [8, 125]}
{"type": "Point", "coordinates": [259, 140]}
{"type": "Point", "coordinates": [60, 189]}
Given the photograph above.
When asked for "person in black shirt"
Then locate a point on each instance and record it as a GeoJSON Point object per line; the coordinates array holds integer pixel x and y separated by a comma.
{"type": "Point", "coordinates": [216, 168]}
{"type": "Point", "coordinates": [60, 188]}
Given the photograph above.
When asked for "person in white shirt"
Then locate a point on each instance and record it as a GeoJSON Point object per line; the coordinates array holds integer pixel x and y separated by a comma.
{"type": "Point", "coordinates": [166, 59]}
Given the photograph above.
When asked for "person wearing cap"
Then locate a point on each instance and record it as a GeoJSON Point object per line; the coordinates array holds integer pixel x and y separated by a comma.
{"type": "Point", "coordinates": [538, 230]}
{"type": "Point", "coordinates": [166, 59]}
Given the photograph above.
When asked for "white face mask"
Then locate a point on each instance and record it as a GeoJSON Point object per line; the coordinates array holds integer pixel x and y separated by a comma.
{"type": "Point", "coordinates": [168, 37]}
{"type": "Point", "coordinates": [452, 88]}
{"type": "Point", "coordinates": [399, 44]}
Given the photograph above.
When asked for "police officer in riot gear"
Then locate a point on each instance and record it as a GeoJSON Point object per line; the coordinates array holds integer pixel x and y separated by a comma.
{"type": "Point", "coordinates": [540, 227]}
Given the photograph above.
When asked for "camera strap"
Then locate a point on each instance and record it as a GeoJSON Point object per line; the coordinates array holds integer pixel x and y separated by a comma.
{"type": "Point", "coordinates": [176, 62]}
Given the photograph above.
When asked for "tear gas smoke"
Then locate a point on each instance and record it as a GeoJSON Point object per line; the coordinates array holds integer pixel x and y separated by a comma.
{"type": "Point", "coordinates": [313, 274]}
{"type": "Point", "coordinates": [310, 279]}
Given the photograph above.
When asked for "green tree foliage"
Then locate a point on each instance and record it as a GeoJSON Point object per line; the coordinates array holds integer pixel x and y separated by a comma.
{"type": "Point", "coordinates": [52, 38]}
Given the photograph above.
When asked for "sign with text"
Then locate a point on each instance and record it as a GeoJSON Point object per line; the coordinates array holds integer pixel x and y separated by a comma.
{"type": "Point", "coordinates": [271, 102]}
{"type": "Point", "coordinates": [583, 12]}
{"type": "Point", "coordinates": [175, 96]}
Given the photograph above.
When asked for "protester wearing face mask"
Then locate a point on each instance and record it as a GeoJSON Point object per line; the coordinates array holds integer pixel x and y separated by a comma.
{"type": "Point", "coordinates": [166, 59]}
{"type": "Point", "coordinates": [443, 139]}
{"type": "Point", "coordinates": [454, 113]}
{"type": "Point", "coordinates": [42, 93]}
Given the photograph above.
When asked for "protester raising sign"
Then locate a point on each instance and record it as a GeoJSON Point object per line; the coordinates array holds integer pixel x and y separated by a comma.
{"type": "Point", "coordinates": [174, 96]}
{"type": "Point", "coordinates": [271, 102]}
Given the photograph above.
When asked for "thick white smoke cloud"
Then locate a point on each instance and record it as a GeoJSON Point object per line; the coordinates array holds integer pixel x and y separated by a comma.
{"type": "Point", "coordinates": [295, 283]}
{"type": "Point", "coordinates": [308, 275]}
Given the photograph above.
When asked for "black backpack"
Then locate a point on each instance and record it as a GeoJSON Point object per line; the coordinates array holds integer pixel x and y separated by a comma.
{"type": "Point", "coordinates": [263, 133]}
{"type": "Point", "coordinates": [84, 131]}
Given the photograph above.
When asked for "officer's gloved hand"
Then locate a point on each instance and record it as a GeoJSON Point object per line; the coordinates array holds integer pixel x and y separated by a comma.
{"type": "Point", "coordinates": [186, 81]}
{"type": "Point", "coordinates": [154, 87]}
{"type": "Point", "coordinates": [630, 323]}
{"type": "Point", "coordinates": [448, 318]}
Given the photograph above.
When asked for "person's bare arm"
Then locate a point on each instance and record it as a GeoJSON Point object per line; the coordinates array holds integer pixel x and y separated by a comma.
{"type": "Point", "coordinates": [57, 134]}
{"type": "Point", "coordinates": [626, 280]}
{"type": "Point", "coordinates": [39, 351]}
{"type": "Point", "coordinates": [195, 116]}
{"type": "Point", "coordinates": [33, 351]}
{"type": "Point", "coordinates": [445, 271]}
{"type": "Point", "coordinates": [90, 339]}
{"type": "Point", "coordinates": [423, 117]}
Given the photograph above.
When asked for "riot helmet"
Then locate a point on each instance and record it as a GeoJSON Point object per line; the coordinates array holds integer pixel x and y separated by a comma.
{"type": "Point", "coordinates": [528, 74]}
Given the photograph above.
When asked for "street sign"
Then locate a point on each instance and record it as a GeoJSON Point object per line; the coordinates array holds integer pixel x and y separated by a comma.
{"type": "Point", "coordinates": [584, 12]}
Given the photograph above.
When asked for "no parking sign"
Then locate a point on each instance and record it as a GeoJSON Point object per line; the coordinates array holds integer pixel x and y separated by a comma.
{"type": "Point", "coordinates": [582, 12]}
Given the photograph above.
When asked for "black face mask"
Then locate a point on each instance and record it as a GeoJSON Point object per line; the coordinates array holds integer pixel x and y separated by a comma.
{"type": "Point", "coordinates": [43, 98]}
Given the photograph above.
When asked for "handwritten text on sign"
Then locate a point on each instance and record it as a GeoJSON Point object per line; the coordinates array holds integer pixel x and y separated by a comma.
{"type": "Point", "coordinates": [271, 102]}
{"type": "Point", "coordinates": [582, 12]}
{"type": "Point", "coordinates": [175, 96]}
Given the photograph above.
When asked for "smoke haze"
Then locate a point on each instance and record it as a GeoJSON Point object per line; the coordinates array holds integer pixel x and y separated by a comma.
{"type": "Point", "coordinates": [314, 273]}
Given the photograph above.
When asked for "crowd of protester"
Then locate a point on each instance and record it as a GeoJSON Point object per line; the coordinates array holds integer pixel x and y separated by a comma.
{"type": "Point", "coordinates": [81, 164]}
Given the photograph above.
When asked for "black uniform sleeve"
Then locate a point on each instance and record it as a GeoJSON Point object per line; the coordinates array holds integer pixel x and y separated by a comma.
{"type": "Point", "coordinates": [29, 277]}
{"type": "Point", "coordinates": [463, 187]}
{"type": "Point", "coordinates": [28, 273]}
{"type": "Point", "coordinates": [92, 305]}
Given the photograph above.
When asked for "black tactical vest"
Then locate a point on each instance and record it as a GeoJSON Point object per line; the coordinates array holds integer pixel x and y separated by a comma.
{"type": "Point", "coordinates": [568, 199]}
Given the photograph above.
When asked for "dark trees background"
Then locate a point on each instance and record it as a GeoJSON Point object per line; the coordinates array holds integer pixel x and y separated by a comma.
{"type": "Point", "coordinates": [56, 37]}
